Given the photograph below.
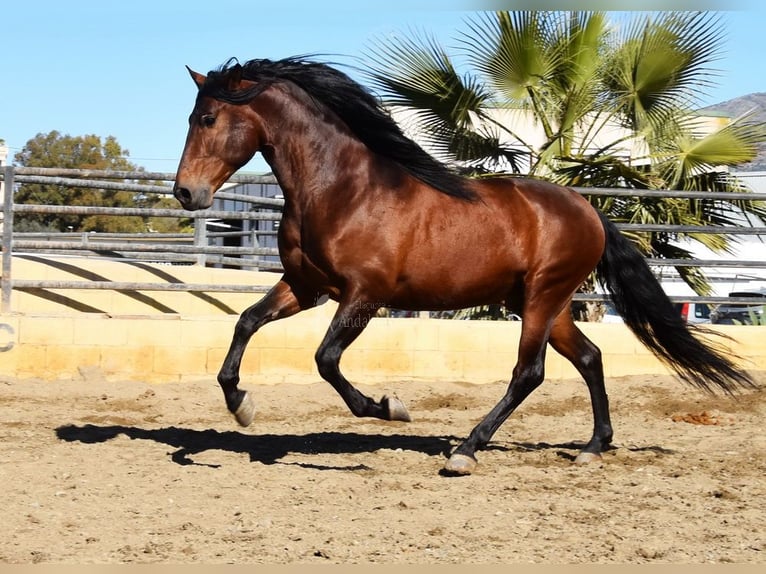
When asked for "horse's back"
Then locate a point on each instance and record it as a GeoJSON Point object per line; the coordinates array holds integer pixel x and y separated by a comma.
{"type": "Point", "coordinates": [544, 215]}
{"type": "Point", "coordinates": [475, 251]}
{"type": "Point", "coordinates": [541, 200]}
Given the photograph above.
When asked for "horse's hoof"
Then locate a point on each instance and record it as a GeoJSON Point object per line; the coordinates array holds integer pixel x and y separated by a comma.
{"type": "Point", "coordinates": [460, 464]}
{"type": "Point", "coordinates": [245, 413]}
{"type": "Point", "coordinates": [395, 409]}
{"type": "Point", "coordinates": [588, 458]}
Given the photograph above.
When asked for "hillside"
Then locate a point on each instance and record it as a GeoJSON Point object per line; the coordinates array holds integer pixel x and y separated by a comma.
{"type": "Point", "coordinates": [739, 106]}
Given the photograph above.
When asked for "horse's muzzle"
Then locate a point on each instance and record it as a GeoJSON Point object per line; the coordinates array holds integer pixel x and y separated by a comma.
{"type": "Point", "coordinates": [191, 201]}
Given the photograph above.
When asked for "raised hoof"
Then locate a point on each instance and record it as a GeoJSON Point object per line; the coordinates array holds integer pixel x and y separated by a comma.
{"type": "Point", "coordinates": [245, 413]}
{"type": "Point", "coordinates": [588, 458]}
{"type": "Point", "coordinates": [460, 465]}
{"type": "Point", "coordinates": [395, 409]}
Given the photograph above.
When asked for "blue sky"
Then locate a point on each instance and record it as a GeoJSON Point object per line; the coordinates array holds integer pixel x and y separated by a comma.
{"type": "Point", "coordinates": [117, 68]}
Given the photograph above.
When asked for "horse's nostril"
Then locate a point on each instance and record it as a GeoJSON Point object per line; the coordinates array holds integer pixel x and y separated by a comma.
{"type": "Point", "coordinates": [182, 194]}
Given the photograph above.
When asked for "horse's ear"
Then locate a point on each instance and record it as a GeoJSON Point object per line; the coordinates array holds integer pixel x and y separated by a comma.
{"type": "Point", "coordinates": [198, 78]}
{"type": "Point", "coordinates": [235, 77]}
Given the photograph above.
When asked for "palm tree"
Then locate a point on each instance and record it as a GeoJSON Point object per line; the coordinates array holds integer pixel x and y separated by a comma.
{"type": "Point", "coordinates": [611, 98]}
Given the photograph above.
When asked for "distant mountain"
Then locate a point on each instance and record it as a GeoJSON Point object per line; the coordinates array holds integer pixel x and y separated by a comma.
{"type": "Point", "coordinates": [739, 106]}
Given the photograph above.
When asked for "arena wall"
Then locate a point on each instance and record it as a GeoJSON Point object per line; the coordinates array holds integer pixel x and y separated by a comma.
{"type": "Point", "coordinates": [170, 348]}
{"type": "Point", "coordinates": [134, 337]}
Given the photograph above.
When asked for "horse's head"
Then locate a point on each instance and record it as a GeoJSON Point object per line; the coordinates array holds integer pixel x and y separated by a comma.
{"type": "Point", "coordinates": [222, 137]}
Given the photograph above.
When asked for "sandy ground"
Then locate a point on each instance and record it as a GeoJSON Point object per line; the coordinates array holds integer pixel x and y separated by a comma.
{"type": "Point", "coordinates": [100, 472]}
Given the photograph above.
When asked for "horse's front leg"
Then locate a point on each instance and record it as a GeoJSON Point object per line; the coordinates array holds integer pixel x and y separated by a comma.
{"type": "Point", "coordinates": [283, 300]}
{"type": "Point", "coordinates": [347, 324]}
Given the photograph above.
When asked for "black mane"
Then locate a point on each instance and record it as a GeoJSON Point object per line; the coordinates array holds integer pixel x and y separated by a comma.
{"type": "Point", "coordinates": [356, 106]}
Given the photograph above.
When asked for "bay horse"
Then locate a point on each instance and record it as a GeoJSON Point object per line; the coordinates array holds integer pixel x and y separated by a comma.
{"type": "Point", "coordinates": [371, 220]}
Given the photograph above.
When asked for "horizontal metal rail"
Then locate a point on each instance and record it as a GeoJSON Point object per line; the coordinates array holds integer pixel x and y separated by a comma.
{"type": "Point", "coordinates": [147, 212]}
{"type": "Point", "coordinates": [735, 263]}
{"type": "Point", "coordinates": [23, 244]}
{"type": "Point", "coordinates": [95, 184]}
{"type": "Point", "coordinates": [709, 229]}
{"type": "Point", "coordinates": [276, 216]}
{"type": "Point", "coordinates": [154, 237]}
{"type": "Point", "coordinates": [141, 188]}
{"type": "Point", "coordinates": [177, 258]}
{"type": "Point", "coordinates": [60, 235]}
{"type": "Point", "coordinates": [22, 284]}
{"type": "Point", "coordinates": [189, 248]}
{"type": "Point", "coordinates": [671, 193]}
{"type": "Point", "coordinates": [139, 286]}
{"type": "Point", "coordinates": [159, 257]}
{"type": "Point", "coordinates": [261, 264]}
{"type": "Point", "coordinates": [269, 201]}
{"type": "Point", "coordinates": [598, 297]}
{"type": "Point", "coordinates": [119, 174]}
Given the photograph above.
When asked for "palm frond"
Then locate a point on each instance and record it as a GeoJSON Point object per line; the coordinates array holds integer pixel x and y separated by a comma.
{"type": "Point", "coordinates": [687, 155]}
{"type": "Point", "coordinates": [509, 49]}
{"type": "Point", "coordinates": [418, 73]}
{"type": "Point", "coordinates": [660, 64]}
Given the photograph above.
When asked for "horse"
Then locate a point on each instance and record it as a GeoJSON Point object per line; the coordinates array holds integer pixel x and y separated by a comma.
{"type": "Point", "coordinates": [372, 220]}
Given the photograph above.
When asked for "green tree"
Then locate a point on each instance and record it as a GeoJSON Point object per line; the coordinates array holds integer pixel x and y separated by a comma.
{"type": "Point", "coordinates": [81, 152]}
{"type": "Point", "coordinates": [612, 98]}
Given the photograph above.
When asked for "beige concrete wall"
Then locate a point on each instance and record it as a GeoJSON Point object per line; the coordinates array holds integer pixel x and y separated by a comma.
{"type": "Point", "coordinates": [132, 340]}
{"type": "Point", "coordinates": [176, 348]}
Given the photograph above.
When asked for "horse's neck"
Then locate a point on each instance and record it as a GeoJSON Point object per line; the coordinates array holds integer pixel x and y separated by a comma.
{"type": "Point", "coordinates": [305, 147]}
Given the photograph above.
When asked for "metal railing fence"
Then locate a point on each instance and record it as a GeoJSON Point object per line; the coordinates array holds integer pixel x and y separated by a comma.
{"type": "Point", "coordinates": [195, 247]}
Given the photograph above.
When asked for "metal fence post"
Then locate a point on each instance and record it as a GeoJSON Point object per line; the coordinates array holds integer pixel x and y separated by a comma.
{"type": "Point", "coordinates": [255, 243]}
{"type": "Point", "coordinates": [200, 238]}
{"type": "Point", "coordinates": [6, 282]}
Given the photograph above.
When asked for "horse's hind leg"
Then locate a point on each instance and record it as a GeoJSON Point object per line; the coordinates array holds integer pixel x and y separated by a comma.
{"type": "Point", "coordinates": [347, 324]}
{"type": "Point", "coordinates": [528, 374]}
{"type": "Point", "coordinates": [281, 301]}
{"type": "Point", "coordinates": [572, 344]}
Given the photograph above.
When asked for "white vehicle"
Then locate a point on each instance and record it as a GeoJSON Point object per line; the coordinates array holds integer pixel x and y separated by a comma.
{"type": "Point", "coordinates": [690, 313]}
{"type": "Point", "coordinates": [694, 312]}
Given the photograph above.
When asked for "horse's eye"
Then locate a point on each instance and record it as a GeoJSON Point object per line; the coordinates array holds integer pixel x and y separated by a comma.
{"type": "Point", "coordinates": [208, 120]}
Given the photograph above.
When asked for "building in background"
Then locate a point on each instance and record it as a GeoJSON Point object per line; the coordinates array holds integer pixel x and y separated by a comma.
{"type": "Point", "coordinates": [246, 233]}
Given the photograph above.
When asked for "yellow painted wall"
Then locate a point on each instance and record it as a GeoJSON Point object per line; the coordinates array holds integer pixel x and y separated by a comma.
{"type": "Point", "coordinates": [177, 348]}
{"type": "Point", "coordinates": [132, 340]}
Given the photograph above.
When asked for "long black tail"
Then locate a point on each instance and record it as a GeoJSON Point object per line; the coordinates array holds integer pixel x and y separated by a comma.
{"type": "Point", "coordinates": [648, 312]}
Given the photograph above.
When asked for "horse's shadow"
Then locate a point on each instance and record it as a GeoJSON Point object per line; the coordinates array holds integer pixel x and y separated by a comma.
{"type": "Point", "coordinates": [265, 448]}
{"type": "Point", "coordinates": [271, 449]}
